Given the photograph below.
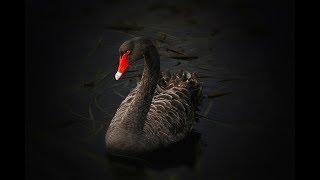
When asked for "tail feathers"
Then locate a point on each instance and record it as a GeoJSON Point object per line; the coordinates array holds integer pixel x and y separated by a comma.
{"type": "Point", "coordinates": [183, 79]}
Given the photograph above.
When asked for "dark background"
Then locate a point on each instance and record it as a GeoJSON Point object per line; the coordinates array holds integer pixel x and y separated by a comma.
{"type": "Point", "coordinates": [255, 42]}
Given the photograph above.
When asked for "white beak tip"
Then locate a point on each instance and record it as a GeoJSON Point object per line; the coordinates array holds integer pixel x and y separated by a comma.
{"type": "Point", "coordinates": [117, 75]}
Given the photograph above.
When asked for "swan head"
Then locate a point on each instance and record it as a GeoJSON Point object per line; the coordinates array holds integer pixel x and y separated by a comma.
{"type": "Point", "coordinates": [130, 52]}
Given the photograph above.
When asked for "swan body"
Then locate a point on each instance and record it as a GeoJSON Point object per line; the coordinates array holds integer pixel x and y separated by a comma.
{"type": "Point", "coordinates": [159, 111]}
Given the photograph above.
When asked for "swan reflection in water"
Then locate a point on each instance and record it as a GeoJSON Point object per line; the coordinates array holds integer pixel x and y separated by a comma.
{"type": "Point", "coordinates": [186, 154]}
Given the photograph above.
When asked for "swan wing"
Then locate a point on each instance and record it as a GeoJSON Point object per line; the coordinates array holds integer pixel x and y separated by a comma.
{"type": "Point", "coordinates": [171, 115]}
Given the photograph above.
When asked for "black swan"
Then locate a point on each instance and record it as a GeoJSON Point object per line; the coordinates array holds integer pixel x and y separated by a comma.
{"type": "Point", "coordinates": [160, 111]}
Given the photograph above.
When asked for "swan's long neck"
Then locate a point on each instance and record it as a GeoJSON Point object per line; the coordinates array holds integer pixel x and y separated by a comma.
{"type": "Point", "coordinates": [140, 105]}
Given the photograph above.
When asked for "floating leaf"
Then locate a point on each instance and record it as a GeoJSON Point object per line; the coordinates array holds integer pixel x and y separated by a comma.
{"type": "Point", "coordinates": [91, 117]}
{"type": "Point", "coordinates": [214, 33]}
{"type": "Point", "coordinates": [89, 84]}
{"type": "Point", "coordinates": [205, 77]}
{"type": "Point", "coordinates": [218, 94]}
{"type": "Point", "coordinates": [214, 121]}
{"type": "Point", "coordinates": [99, 44]}
{"type": "Point", "coordinates": [183, 57]}
{"type": "Point", "coordinates": [226, 80]}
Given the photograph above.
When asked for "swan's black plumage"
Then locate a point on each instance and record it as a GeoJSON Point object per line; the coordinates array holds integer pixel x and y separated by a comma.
{"type": "Point", "coordinates": [159, 111]}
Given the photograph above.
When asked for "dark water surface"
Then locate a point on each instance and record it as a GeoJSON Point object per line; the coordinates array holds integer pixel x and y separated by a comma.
{"type": "Point", "coordinates": [68, 45]}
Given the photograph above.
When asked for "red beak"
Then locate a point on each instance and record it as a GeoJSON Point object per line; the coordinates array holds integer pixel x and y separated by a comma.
{"type": "Point", "coordinates": [123, 65]}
